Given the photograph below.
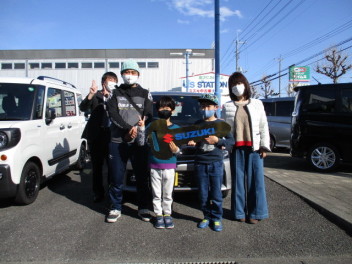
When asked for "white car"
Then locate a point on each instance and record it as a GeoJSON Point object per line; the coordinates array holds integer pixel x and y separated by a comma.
{"type": "Point", "coordinates": [40, 134]}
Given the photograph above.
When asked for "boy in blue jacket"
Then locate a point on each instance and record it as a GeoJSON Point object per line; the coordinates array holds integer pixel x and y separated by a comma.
{"type": "Point", "coordinates": [209, 166]}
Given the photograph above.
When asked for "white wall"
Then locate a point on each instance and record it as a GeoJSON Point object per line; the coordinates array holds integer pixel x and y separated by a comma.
{"type": "Point", "coordinates": [167, 76]}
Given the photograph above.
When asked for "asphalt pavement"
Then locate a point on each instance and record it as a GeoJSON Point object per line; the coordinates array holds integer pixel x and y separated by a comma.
{"type": "Point", "coordinates": [330, 193]}
{"type": "Point", "coordinates": [65, 226]}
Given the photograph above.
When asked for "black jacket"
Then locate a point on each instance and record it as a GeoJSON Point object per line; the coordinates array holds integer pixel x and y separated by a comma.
{"type": "Point", "coordinates": [93, 129]}
{"type": "Point", "coordinates": [123, 114]}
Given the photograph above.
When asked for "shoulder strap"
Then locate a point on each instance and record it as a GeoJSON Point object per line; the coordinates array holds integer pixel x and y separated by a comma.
{"type": "Point", "coordinates": [128, 97]}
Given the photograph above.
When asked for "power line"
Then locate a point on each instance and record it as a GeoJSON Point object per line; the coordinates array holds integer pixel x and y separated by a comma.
{"type": "Point", "coordinates": [312, 43]}
{"type": "Point", "coordinates": [256, 17]}
{"type": "Point", "coordinates": [233, 41]}
{"type": "Point", "coordinates": [228, 60]}
{"type": "Point", "coordinates": [269, 20]}
{"type": "Point", "coordinates": [318, 40]}
{"type": "Point", "coordinates": [262, 21]}
{"type": "Point", "coordinates": [304, 60]}
{"type": "Point", "coordinates": [276, 24]}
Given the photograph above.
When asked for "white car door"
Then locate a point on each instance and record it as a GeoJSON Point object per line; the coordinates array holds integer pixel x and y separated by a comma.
{"type": "Point", "coordinates": [74, 125]}
{"type": "Point", "coordinates": [56, 142]}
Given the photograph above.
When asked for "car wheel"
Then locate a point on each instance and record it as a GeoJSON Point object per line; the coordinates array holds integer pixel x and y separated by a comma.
{"type": "Point", "coordinates": [323, 157]}
{"type": "Point", "coordinates": [81, 162]}
{"type": "Point", "coordinates": [28, 188]}
{"type": "Point", "coordinates": [272, 143]}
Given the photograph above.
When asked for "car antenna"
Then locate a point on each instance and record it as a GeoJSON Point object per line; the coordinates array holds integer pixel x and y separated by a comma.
{"type": "Point", "coordinates": [316, 80]}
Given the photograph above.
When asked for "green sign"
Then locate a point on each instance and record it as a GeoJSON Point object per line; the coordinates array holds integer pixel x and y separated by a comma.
{"type": "Point", "coordinates": [299, 74]}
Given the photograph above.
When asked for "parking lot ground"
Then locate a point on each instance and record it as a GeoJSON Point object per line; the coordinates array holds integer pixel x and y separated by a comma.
{"type": "Point", "coordinates": [330, 193]}
{"type": "Point", "coordinates": [65, 226]}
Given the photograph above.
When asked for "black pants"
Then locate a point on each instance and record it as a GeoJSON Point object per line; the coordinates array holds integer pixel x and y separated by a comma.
{"type": "Point", "coordinates": [99, 151]}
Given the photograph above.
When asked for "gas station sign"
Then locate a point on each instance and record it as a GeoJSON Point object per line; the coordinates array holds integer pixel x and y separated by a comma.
{"type": "Point", "coordinates": [299, 74]}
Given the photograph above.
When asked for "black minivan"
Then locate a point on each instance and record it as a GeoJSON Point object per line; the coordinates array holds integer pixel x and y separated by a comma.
{"type": "Point", "coordinates": [322, 125]}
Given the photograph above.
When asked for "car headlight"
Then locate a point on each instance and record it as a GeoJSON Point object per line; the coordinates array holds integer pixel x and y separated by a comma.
{"type": "Point", "coordinates": [9, 137]}
{"type": "Point", "coordinates": [4, 139]}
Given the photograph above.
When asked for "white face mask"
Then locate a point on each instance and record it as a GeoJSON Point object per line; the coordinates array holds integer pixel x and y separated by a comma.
{"type": "Point", "coordinates": [110, 86]}
{"type": "Point", "coordinates": [238, 89]}
{"type": "Point", "coordinates": [130, 79]}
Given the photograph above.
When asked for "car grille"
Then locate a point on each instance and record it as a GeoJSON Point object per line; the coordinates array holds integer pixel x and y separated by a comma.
{"type": "Point", "coordinates": [185, 179]}
{"type": "Point", "coordinates": [186, 155]}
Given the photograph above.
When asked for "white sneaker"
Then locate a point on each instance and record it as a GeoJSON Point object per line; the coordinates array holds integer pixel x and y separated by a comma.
{"type": "Point", "coordinates": [113, 215]}
{"type": "Point", "coordinates": [145, 215]}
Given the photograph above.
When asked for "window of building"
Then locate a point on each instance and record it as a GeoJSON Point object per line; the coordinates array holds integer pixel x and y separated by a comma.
{"type": "Point", "coordinates": [6, 66]}
{"type": "Point", "coordinates": [87, 65]}
{"type": "Point", "coordinates": [114, 65]}
{"type": "Point", "coordinates": [153, 64]}
{"type": "Point", "coordinates": [20, 66]}
{"type": "Point", "coordinates": [47, 65]}
{"type": "Point", "coordinates": [60, 65]}
{"type": "Point", "coordinates": [99, 65]}
{"type": "Point", "coordinates": [34, 65]}
{"type": "Point", "coordinates": [142, 64]}
{"type": "Point", "coordinates": [72, 65]}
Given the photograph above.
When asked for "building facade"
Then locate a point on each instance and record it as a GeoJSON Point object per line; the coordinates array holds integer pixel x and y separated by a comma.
{"type": "Point", "coordinates": [161, 69]}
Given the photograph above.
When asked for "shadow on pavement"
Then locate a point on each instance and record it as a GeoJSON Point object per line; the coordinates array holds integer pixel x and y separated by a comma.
{"type": "Point", "coordinates": [76, 186]}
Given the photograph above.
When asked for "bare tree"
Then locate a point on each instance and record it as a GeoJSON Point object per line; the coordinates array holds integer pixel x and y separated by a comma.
{"type": "Point", "coordinates": [255, 93]}
{"type": "Point", "coordinates": [266, 88]}
{"type": "Point", "coordinates": [290, 90]}
{"type": "Point", "coordinates": [336, 65]}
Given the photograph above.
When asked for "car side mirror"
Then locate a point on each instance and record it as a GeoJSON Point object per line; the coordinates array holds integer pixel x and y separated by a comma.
{"type": "Point", "coordinates": [49, 115]}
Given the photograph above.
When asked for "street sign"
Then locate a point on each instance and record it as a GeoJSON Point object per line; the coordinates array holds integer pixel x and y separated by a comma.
{"type": "Point", "coordinates": [299, 74]}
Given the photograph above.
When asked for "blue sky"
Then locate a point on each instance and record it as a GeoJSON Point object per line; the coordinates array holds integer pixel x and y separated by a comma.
{"type": "Point", "coordinates": [294, 29]}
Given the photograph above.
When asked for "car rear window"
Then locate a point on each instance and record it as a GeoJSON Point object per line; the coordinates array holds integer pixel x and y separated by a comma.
{"type": "Point", "coordinates": [320, 101]}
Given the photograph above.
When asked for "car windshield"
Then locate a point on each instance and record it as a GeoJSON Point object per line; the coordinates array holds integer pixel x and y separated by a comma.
{"type": "Point", "coordinates": [187, 109]}
{"type": "Point", "coordinates": [16, 101]}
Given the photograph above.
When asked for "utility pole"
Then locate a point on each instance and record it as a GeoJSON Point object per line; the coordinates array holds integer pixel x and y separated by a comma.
{"type": "Point", "coordinates": [187, 54]}
{"type": "Point", "coordinates": [279, 59]}
{"type": "Point", "coordinates": [237, 53]}
{"type": "Point", "coordinates": [217, 53]}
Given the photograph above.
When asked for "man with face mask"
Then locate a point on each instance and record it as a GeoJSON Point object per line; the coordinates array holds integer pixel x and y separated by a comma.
{"type": "Point", "coordinates": [129, 104]}
{"type": "Point", "coordinates": [97, 131]}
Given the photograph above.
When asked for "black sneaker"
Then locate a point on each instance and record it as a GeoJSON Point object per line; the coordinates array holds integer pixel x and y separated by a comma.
{"type": "Point", "coordinates": [113, 215]}
{"type": "Point", "coordinates": [145, 215]}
